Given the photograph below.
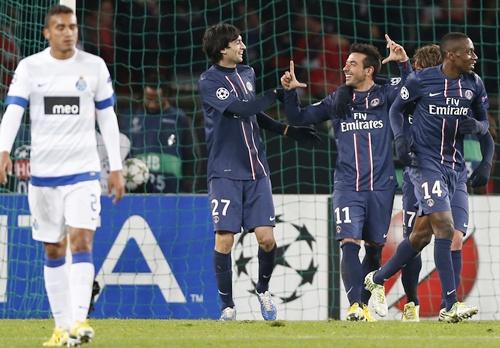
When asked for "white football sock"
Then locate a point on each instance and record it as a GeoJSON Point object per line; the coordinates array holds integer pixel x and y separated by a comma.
{"type": "Point", "coordinates": [81, 280]}
{"type": "Point", "coordinates": [57, 287]}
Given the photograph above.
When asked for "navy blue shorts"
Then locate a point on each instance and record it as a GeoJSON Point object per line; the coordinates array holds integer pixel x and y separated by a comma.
{"type": "Point", "coordinates": [363, 215]}
{"type": "Point", "coordinates": [459, 204]}
{"type": "Point", "coordinates": [241, 203]}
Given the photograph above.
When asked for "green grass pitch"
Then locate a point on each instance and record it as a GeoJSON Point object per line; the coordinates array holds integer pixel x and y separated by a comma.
{"type": "Point", "coordinates": [288, 334]}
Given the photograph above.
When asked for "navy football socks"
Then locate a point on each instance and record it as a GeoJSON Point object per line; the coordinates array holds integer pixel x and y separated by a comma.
{"type": "Point", "coordinates": [409, 278]}
{"type": "Point", "coordinates": [266, 266]}
{"type": "Point", "coordinates": [224, 275]}
{"type": "Point", "coordinates": [352, 272]}
{"type": "Point", "coordinates": [403, 255]}
{"type": "Point", "coordinates": [444, 265]}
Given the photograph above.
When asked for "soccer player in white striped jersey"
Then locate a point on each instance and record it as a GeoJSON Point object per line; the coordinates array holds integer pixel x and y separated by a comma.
{"type": "Point", "coordinates": [66, 90]}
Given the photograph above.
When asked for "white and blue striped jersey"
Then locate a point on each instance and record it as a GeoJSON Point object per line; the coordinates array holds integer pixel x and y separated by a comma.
{"type": "Point", "coordinates": [63, 96]}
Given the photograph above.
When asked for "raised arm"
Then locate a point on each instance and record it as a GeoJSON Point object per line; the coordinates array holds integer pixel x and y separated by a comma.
{"type": "Point", "coordinates": [408, 94]}
{"type": "Point", "coordinates": [296, 115]}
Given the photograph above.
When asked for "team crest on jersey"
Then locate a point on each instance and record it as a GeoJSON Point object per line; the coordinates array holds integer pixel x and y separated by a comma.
{"type": "Point", "coordinates": [374, 102]}
{"type": "Point", "coordinates": [469, 94]}
{"type": "Point", "coordinates": [81, 85]}
{"type": "Point", "coordinates": [249, 86]}
{"type": "Point", "coordinates": [430, 202]}
{"type": "Point", "coordinates": [222, 93]}
{"type": "Point", "coordinates": [404, 93]}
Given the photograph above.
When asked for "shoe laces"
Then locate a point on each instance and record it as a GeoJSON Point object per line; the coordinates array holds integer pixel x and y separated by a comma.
{"type": "Point", "coordinates": [410, 312]}
{"type": "Point", "coordinates": [379, 294]}
{"type": "Point", "coordinates": [266, 301]}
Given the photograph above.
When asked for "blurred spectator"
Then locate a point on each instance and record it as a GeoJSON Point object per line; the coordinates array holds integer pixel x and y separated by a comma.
{"type": "Point", "coordinates": [8, 59]}
{"type": "Point", "coordinates": [99, 36]}
{"type": "Point", "coordinates": [322, 56]}
{"type": "Point", "coordinates": [162, 136]}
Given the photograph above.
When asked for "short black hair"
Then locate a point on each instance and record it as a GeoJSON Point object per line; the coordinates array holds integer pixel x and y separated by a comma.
{"type": "Point", "coordinates": [373, 57]}
{"type": "Point", "coordinates": [56, 10]}
{"type": "Point", "coordinates": [447, 41]}
{"type": "Point", "coordinates": [216, 38]}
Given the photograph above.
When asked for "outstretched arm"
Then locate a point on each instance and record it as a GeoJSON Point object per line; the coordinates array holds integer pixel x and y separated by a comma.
{"type": "Point", "coordinates": [307, 135]}
{"type": "Point", "coordinates": [244, 110]}
{"type": "Point", "coordinates": [296, 115]}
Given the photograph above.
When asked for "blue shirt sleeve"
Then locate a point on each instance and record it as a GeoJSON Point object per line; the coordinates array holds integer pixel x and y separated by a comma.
{"type": "Point", "coordinates": [480, 104]}
{"type": "Point", "coordinates": [312, 114]}
{"type": "Point", "coordinates": [395, 83]}
{"type": "Point", "coordinates": [216, 94]}
{"type": "Point", "coordinates": [410, 92]}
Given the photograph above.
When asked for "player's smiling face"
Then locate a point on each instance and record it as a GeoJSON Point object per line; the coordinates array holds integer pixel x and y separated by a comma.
{"type": "Point", "coordinates": [233, 54]}
{"type": "Point", "coordinates": [355, 72]}
{"type": "Point", "coordinates": [465, 57]}
{"type": "Point", "coordinates": [62, 34]}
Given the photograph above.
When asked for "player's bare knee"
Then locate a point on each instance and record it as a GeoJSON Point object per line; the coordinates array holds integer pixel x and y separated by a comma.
{"type": "Point", "coordinates": [55, 250]}
{"type": "Point", "coordinates": [81, 240]}
{"type": "Point", "coordinates": [420, 239]}
{"type": "Point", "coordinates": [457, 241]}
{"type": "Point", "coordinates": [267, 243]}
{"type": "Point", "coordinates": [224, 241]}
{"type": "Point", "coordinates": [265, 237]}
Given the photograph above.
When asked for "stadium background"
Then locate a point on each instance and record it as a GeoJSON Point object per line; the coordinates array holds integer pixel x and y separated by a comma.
{"type": "Point", "coordinates": [140, 39]}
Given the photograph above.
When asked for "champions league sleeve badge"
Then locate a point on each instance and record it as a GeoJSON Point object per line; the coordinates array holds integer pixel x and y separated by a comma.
{"type": "Point", "coordinates": [81, 85]}
{"type": "Point", "coordinates": [222, 93]}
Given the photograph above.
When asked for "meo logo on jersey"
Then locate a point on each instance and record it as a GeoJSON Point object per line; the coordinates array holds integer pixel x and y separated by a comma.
{"type": "Point", "coordinates": [62, 105]}
{"type": "Point", "coordinates": [222, 93]}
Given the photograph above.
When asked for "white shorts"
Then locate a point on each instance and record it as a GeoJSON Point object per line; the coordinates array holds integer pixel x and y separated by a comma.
{"type": "Point", "coordinates": [53, 208]}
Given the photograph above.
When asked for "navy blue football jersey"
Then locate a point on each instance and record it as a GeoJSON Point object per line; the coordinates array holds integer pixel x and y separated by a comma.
{"type": "Point", "coordinates": [364, 140]}
{"type": "Point", "coordinates": [235, 148]}
{"type": "Point", "coordinates": [440, 103]}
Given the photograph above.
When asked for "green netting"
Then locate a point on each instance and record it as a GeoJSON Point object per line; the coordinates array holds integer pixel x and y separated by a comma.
{"type": "Point", "coordinates": [159, 42]}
